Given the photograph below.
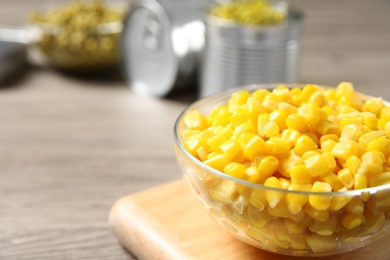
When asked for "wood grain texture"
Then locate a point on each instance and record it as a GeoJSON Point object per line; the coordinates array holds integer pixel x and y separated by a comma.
{"type": "Point", "coordinates": [167, 222]}
{"type": "Point", "coordinates": [71, 146]}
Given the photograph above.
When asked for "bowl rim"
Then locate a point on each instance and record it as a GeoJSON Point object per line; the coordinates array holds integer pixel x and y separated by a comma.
{"type": "Point", "coordinates": [223, 96]}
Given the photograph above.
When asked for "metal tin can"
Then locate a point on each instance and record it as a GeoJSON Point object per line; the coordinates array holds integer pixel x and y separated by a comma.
{"type": "Point", "coordinates": [237, 55]}
{"type": "Point", "coordinates": [161, 45]}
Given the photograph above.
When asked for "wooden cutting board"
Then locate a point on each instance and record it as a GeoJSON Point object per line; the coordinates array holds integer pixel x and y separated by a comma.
{"type": "Point", "coordinates": [167, 222]}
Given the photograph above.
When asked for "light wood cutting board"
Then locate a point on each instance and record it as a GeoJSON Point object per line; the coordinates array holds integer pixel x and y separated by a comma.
{"type": "Point", "coordinates": [167, 222]}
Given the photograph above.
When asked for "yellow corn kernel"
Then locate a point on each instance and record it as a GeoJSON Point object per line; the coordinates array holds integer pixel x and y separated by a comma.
{"type": "Point", "coordinates": [353, 120]}
{"type": "Point", "coordinates": [272, 96]}
{"type": "Point", "coordinates": [374, 221]}
{"type": "Point", "coordinates": [260, 94]}
{"type": "Point", "coordinates": [339, 202]}
{"type": "Point", "coordinates": [221, 118]}
{"type": "Point", "coordinates": [310, 153]}
{"type": "Point", "coordinates": [246, 127]}
{"type": "Point", "coordinates": [369, 119]}
{"type": "Point", "coordinates": [271, 129]}
{"type": "Point", "coordinates": [230, 148]}
{"type": "Point", "coordinates": [236, 170]}
{"type": "Point", "coordinates": [374, 157]}
{"type": "Point", "coordinates": [277, 146]}
{"type": "Point", "coordinates": [258, 218]}
{"type": "Point", "coordinates": [254, 146]}
{"type": "Point", "coordinates": [271, 105]}
{"type": "Point", "coordinates": [321, 244]}
{"type": "Point", "coordinates": [291, 135]}
{"type": "Point", "coordinates": [324, 228]}
{"type": "Point", "coordinates": [329, 111]}
{"type": "Point", "coordinates": [328, 145]}
{"type": "Point", "coordinates": [225, 191]}
{"type": "Point", "coordinates": [295, 228]}
{"type": "Point", "coordinates": [215, 141]}
{"type": "Point", "coordinates": [262, 121]}
{"type": "Point", "coordinates": [252, 174]}
{"type": "Point", "coordinates": [344, 150]}
{"type": "Point", "coordinates": [316, 165]}
{"type": "Point", "coordinates": [237, 118]}
{"type": "Point", "coordinates": [320, 202]}
{"type": "Point", "coordinates": [317, 98]}
{"type": "Point", "coordinates": [333, 137]}
{"type": "Point", "coordinates": [303, 144]}
{"type": "Point", "coordinates": [326, 127]}
{"type": "Point", "coordinates": [254, 108]}
{"type": "Point", "coordinates": [217, 162]}
{"type": "Point", "coordinates": [311, 112]}
{"type": "Point", "coordinates": [299, 174]}
{"type": "Point", "coordinates": [374, 105]}
{"type": "Point", "coordinates": [370, 169]}
{"type": "Point", "coordinates": [353, 163]}
{"type": "Point", "coordinates": [333, 180]}
{"type": "Point", "coordinates": [330, 160]}
{"type": "Point", "coordinates": [366, 138]}
{"type": "Point", "coordinates": [351, 131]}
{"type": "Point", "coordinates": [307, 91]}
{"type": "Point", "coordinates": [243, 139]}
{"type": "Point", "coordinates": [195, 120]}
{"type": "Point", "coordinates": [296, 201]}
{"type": "Point", "coordinates": [346, 177]}
{"type": "Point", "coordinates": [351, 221]}
{"type": "Point", "coordinates": [287, 162]}
{"type": "Point", "coordinates": [273, 197]}
{"type": "Point", "coordinates": [279, 117]}
{"type": "Point", "coordinates": [258, 199]}
{"type": "Point", "coordinates": [279, 211]}
{"type": "Point", "coordinates": [297, 121]}
{"type": "Point", "coordinates": [379, 179]}
{"type": "Point", "coordinates": [202, 153]}
{"type": "Point", "coordinates": [287, 108]}
{"type": "Point", "coordinates": [355, 206]}
{"type": "Point", "coordinates": [239, 98]}
{"type": "Point", "coordinates": [360, 181]}
{"type": "Point", "coordinates": [284, 183]}
{"type": "Point", "coordinates": [267, 166]}
{"type": "Point", "coordinates": [320, 215]}
{"type": "Point", "coordinates": [381, 144]}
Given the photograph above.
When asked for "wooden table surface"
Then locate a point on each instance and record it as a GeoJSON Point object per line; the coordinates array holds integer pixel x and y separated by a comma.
{"type": "Point", "coordinates": [70, 147]}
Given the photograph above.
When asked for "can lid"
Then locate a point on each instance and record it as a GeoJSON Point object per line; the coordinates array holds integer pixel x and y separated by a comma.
{"type": "Point", "coordinates": [150, 63]}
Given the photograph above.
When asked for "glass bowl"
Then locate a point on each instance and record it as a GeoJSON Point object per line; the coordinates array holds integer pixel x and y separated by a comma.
{"type": "Point", "coordinates": [78, 35]}
{"type": "Point", "coordinates": [280, 220]}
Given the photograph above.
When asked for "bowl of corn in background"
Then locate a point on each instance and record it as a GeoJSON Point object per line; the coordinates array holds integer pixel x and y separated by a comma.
{"type": "Point", "coordinates": [78, 36]}
{"type": "Point", "coordinates": [293, 169]}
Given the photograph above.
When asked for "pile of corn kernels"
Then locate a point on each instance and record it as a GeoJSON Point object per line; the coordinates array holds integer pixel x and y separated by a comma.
{"type": "Point", "coordinates": [310, 139]}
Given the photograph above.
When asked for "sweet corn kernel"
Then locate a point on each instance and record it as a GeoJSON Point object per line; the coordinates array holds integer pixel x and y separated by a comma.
{"type": "Point", "coordinates": [237, 118]}
{"type": "Point", "coordinates": [262, 121]}
{"type": "Point", "coordinates": [258, 218]}
{"type": "Point", "coordinates": [287, 108]}
{"type": "Point", "coordinates": [333, 180]}
{"type": "Point", "coordinates": [279, 117]}
{"type": "Point", "coordinates": [225, 191]}
{"type": "Point", "coordinates": [258, 199]}
{"type": "Point", "coordinates": [339, 202]}
{"type": "Point", "coordinates": [297, 121]}
{"type": "Point", "coordinates": [260, 94]}
{"type": "Point", "coordinates": [277, 146]}
{"type": "Point", "coordinates": [374, 105]}
{"type": "Point", "coordinates": [303, 144]}
{"type": "Point", "coordinates": [328, 145]}
{"type": "Point", "coordinates": [267, 166]}
{"type": "Point", "coordinates": [222, 117]}
{"type": "Point", "coordinates": [299, 174]}
{"type": "Point", "coordinates": [327, 127]}
{"type": "Point", "coordinates": [351, 131]}
{"type": "Point", "coordinates": [324, 228]}
{"type": "Point", "coordinates": [246, 127]}
{"type": "Point", "coordinates": [311, 112]}
{"type": "Point", "coordinates": [346, 177]}
{"type": "Point", "coordinates": [239, 98]}
{"type": "Point", "coordinates": [195, 120]}
{"type": "Point", "coordinates": [369, 119]}
{"type": "Point", "coordinates": [320, 244]}
{"type": "Point", "coordinates": [333, 137]}
{"type": "Point", "coordinates": [353, 163]}
{"type": "Point", "coordinates": [236, 170]}
{"type": "Point", "coordinates": [380, 179]}
{"type": "Point", "coordinates": [310, 153]}
{"type": "Point", "coordinates": [316, 165]}
{"type": "Point", "coordinates": [360, 181]}
{"type": "Point", "coordinates": [320, 215]}
{"type": "Point", "coordinates": [381, 144]}
{"type": "Point", "coordinates": [218, 162]}
{"type": "Point", "coordinates": [296, 201]}
{"type": "Point", "coordinates": [287, 162]}
{"type": "Point", "coordinates": [273, 197]}
{"type": "Point", "coordinates": [271, 129]}
{"type": "Point", "coordinates": [320, 202]}
{"type": "Point", "coordinates": [253, 175]}
{"type": "Point", "coordinates": [291, 135]}
{"type": "Point", "coordinates": [254, 108]}
{"type": "Point", "coordinates": [344, 150]}
{"type": "Point", "coordinates": [374, 221]}
{"type": "Point", "coordinates": [366, 138]}
{"type": "Point", "coordinates": [254, 146]}
{"type": "Point", "coordinates": [351, 221]}
{"type": "Point", "coordinates": [216, 141]}
{"type": "Point", "coordinates": [230, 148]}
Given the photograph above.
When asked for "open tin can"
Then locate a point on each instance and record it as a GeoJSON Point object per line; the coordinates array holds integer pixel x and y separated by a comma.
{"type": "Point", "coordinates": [237, 55]}
{"type": "Point", "coordinates": [162, 44]}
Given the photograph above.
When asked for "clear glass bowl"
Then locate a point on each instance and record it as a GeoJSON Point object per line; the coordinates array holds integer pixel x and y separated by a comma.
{"type": "Point", "coordinates": [70, 37]}
{"type": "Point", "coordinates": [241, 207]}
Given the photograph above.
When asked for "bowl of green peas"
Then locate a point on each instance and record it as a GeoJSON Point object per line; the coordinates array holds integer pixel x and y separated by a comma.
{"type": "Point", "coordinates": [299, 170]}
{"type": "Point", "coordinates": [79, 36]}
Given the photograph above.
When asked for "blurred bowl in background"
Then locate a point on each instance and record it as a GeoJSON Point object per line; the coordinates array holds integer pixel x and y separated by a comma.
{"type": "Point", "coordinates": [79, 36]}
